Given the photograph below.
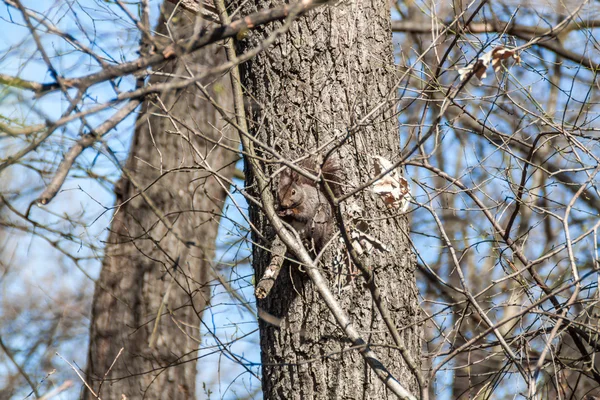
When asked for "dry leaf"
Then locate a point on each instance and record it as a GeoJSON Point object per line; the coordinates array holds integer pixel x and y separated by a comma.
{"type": "Point", "coordinates": [393, 188]}
{"type": "Point", "coordinates": [494, 57]}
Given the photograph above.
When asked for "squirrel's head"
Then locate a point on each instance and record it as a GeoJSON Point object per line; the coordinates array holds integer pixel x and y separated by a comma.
{"type": "Point", "coordinates": [291, 196]}
{"type": "Point", "coordinates": [290, 192]}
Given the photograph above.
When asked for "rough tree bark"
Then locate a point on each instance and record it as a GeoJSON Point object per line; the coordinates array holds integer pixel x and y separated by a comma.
{"type": "Point", "coordinates": [333, 68]}
{"type": "Point", "coordinates": [143, 255]}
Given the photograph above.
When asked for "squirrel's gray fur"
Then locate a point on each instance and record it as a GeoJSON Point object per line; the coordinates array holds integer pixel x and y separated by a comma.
{"type": "Point", "coordinates": [303, 204]}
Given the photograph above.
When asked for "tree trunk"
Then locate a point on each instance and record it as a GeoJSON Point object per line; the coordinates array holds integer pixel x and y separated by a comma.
{"type": "Point", "coordinates": [330, 70]}
{"type": "Point", "coordinates": [161, 242]}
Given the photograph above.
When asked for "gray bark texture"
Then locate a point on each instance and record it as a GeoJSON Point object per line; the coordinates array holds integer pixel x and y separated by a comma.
{"type": "Point", "coordinates": [143, 255]}
{"type": "Point", "coordinates": [331, 69]}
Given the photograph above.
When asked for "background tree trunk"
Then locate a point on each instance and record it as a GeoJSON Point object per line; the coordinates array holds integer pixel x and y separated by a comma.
{"type": "Point", "coordinates": [332, 69]}
{"type": "Point", "coordinates": [143, 257]}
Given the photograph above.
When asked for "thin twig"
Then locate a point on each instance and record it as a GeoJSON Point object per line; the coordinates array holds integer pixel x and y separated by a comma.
{"type": "Point", "coordinates": [83, 143]}
{"type": "Point", "coordinates": [108, 370]}
{"type": "Point", "coordinates": [80, 377]}
{"type": "Point", "coordinates": [19, 368]}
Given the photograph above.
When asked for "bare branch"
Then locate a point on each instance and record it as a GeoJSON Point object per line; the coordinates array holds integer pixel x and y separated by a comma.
{"type": "Point", "coordinates": [82, 144]}
{"type": "Point", "coordinates": [266, 282]}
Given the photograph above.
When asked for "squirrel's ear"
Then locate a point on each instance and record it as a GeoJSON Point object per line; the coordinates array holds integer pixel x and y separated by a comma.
{"type": "Point", "coordinates": [285, 177]}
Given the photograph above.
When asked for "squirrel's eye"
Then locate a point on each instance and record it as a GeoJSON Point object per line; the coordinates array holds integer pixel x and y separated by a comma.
{"type": "Point", "coordinates": [293, 192]}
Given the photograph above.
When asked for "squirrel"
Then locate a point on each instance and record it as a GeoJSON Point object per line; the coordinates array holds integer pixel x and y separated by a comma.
{"type": "Point", "coordinates": [303, 204]}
